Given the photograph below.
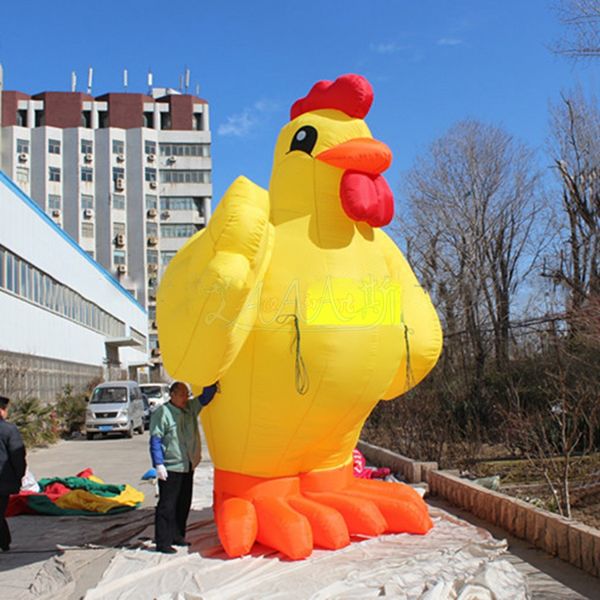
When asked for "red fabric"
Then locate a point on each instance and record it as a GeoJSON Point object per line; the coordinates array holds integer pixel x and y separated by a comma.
{"type": "Point", "coordinates": [367, 198]}
{"type": "Point", "coordinates": [17, 504]}
{"type": "Point", "coordinates": [352, 94]}
{"type": "Point", "coordinates": [362, 471]}
{"type": "Point", "coordinates": [86, 473]}
{"type": "Point", "coordinates": [56, 490]}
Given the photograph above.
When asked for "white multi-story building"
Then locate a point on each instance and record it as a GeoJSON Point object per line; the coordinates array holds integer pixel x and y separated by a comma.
{"type": "Point", "coordinates": [64, 318]}
{"type": "Point", "coordinates": [127, 176]}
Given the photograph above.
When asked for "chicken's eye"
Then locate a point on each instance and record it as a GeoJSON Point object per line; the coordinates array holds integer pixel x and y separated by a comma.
{"type": "Point", "coordinates": [304, 139]}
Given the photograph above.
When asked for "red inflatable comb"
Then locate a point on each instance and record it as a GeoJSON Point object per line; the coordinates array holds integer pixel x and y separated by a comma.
{"type": "Point", "coordinates": [352, 94]}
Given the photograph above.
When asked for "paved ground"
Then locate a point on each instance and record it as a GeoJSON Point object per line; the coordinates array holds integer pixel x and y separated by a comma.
{"type": "Point", "coordinates": [36, 568]}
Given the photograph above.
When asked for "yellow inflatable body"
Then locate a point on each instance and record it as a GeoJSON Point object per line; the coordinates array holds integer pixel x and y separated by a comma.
{"type": "Point", "coordinates": [307, 313]}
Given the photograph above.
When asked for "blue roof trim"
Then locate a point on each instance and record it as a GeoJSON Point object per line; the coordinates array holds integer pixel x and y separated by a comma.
{"type": "Point", "coordinates": [23, 196]}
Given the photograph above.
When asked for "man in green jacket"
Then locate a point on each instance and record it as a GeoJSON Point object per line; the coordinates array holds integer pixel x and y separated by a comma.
{"type": "Point", "coordinates": [175, 448]}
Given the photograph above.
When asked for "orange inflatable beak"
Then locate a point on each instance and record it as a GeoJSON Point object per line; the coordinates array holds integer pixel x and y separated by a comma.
{"type": "Point", "coordinates": [364, 155]}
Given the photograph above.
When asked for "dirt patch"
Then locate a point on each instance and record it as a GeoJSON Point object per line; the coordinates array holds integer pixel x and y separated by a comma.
{"type": "Point", "coordinates": [518, 478]}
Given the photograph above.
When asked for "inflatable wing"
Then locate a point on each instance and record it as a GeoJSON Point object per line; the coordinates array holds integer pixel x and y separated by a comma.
{"type": "Point", "coordinates": [201, 315]}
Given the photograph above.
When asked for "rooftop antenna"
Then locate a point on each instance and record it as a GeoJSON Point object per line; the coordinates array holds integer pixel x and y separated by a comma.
{"type": "Point", "coordinates": [197, 89]}
{"type": "Point", "coordinates": [90, 78]}
{"type": "Point", "coordinates": [73, 81]}
{"type": "Point", "coordinates": [187, 80]}
{"type": "Point", "coordinates": [181, 83]}
{"type": "Point", "coordinates": [150, 81]}
{"type": "Point", "coordinates": [125, 79]}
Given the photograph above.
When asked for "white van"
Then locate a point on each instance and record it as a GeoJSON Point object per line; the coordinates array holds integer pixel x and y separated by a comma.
{"type": "Point", "coordinates": [115, 407]}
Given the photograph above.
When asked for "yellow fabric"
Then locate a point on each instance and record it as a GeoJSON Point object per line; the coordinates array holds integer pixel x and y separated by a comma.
{"type": "Point", "coordinates": [231, 301]}
{"type": "Point", "coordinates": [95, 479]}
{"type": "Point", "coordinates": [84, 500]}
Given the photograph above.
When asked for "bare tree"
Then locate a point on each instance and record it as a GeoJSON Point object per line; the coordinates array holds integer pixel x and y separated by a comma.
{"type": "Point", "coordinates": [581, 19]}
{"type": "Point", "coordinates": [473, 201]}
{"type": "Point", "coordinates": [576, 155]}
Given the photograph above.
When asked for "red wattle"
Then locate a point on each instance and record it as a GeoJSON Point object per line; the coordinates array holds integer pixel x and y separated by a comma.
{"type": "Point", "coordinates": [367, 198]}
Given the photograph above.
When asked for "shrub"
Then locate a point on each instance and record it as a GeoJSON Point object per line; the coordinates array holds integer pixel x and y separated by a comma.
{"type": "Point", "coordinates": [70, 409]}
{"type": "Point", "coordinates": [37, 422]}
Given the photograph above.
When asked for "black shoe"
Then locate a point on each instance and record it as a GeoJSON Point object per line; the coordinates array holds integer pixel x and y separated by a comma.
{"type": "Point", "coordinates": [166, 549]}
{"type": "Point", "coordinates": [181, 542]}
{"type": "Point", "coordinates": [5, 548]}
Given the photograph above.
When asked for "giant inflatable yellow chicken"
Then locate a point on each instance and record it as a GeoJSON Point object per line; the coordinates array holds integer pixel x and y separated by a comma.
{"type": "Point", "coordinates": [307, 314]}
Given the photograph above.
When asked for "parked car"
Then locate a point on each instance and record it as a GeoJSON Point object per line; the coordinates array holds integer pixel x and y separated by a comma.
{"type": "Point", "coordinates": [157, 393]}
{"type": "Point", "coordinates": [115, 407]}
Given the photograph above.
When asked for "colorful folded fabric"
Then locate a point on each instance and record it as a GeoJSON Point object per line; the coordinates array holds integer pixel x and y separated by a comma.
{"type": "Point", "coordinates": [84, 494]}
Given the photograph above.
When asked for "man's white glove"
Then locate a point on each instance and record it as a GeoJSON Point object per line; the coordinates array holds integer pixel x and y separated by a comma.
{"type": "Point", "coordinates": [161, 472]}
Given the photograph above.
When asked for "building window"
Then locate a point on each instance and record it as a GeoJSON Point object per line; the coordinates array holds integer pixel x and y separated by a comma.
{"type": "Point", "coordinates": [102, 119]}
{"type": "Point", "coordinates": [86, 119]}
{"type": "Point", "coordinates": [118, 147]}
{"type": "Point", "coordinates": [53, 174]}
{"type": "Point", "coordinates": [87, 201]}
{"type": "Point", "coordinates": [22, 146]}
{"type": "Point", "coordinates": [151, 229]}
{"type": "Point", "coordinates": [119, 228]}
{"type": "Point", "coordinates": [119, 201]}
{"type": "Point", "coordinates": [119, 257]}
{"type": "Point", "coordinates": [87, 230]}
{"type": "Point", "coordinates": [153, 341]}
{"type": "Point", "coordinates": [166, 256]}
{"type": "Point", "coordinates": [199, 121]}
{"type": "Point", "coordinates": [184, 149]}
{"type": "Point", "coordinates": [148, 121]}
{"type": "Point", "coordinates": [151, 201]}
{"type": "Point", "coordinates": [87, 146]}
{"type": "Point", "coordinates": [22, 118]}
{"type": "Point", "coordinates": [178, 230]}
{"type": "Point", "coordinates": [149, 147]}
{"type": "Point", "coordinates": [90, 253]}
{"type": "Point", "coordinates": [152, 312]}
{"type": "Point", "coordinates": [165, 120]}
{"type": "Point", "coordinates": [22, 175]}
{"type": "Point", "coordinates": [118, 173]}
{"type": "Point", "coordinates": [54, 146]}
{"type": "Point", "coordinates": [54, 201]}
{"type": "Point", "coordinates": [150, 174]}
{"type": "Point", "coordinates": [152, 257]}
{"type": "Point", "coordinates": [40, 118]}
{"type": "Point", "coordinates": [182, 203]}
{"type": "Point", "coordinates": [181, 176]}
{"type": "Point", "coordinates": [87, 174]}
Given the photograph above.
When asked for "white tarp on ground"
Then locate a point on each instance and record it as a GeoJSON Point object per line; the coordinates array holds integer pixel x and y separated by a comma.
{"type": "Point", "coordinates": [455, 560]}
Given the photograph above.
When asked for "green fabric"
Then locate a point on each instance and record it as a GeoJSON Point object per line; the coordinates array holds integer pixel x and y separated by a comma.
{"type": "Point", "coordinates": [106, 490]}
{"type": "Point", "coordinates": [44, 506]}
{"type": "Point", "coordinates": [179, 434]}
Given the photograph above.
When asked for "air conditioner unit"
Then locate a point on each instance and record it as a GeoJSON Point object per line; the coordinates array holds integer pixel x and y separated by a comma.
{"type": "Point", "coordinates": [153, 185]}
{"type": "Point", "coordinates": [152, 213]}
{"type": "Point", "coordinates": [119, 184]}
{"type": "Point", "coordinates": [120, 158]}
{"type": "Point", "coordinates": [152, 241]}
{"type": "Point", "coordinates": [171, 160]}
{"type": "Point", "coordinates": [155, 351]}
{"type": "Point", "coordinates": [121, 269]}
{"type": "Point", "coordinates": [151, 157]}
{"type": "Point", "coordinates": [165, 214]}
{"type": "Point", "coordinates": [152, 268]}
{"type": "Point", "coordinates": [88, 158]}
{"type": "Point", "coordinates": [56, 213]}
{"type": "Point", "coordinates": [23, 157]}
{"type": "Point", "coordinates": [153, 325]}
{"type": "Point", "coordinates": [120, 239]}
{"type": "Point", "coordinates": [88, 213]}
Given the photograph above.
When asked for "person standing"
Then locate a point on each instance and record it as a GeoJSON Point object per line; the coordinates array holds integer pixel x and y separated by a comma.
{"type": "Point", "coordinates": [175, 449]}
{"type": "Point", "coordinates": [12, 468]}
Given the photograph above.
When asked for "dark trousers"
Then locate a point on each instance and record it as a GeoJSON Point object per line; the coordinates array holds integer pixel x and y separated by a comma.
{"type": "Point", "coordinates": [173, 508]}
{"type": "Point", "coordinates": [5, 538]}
